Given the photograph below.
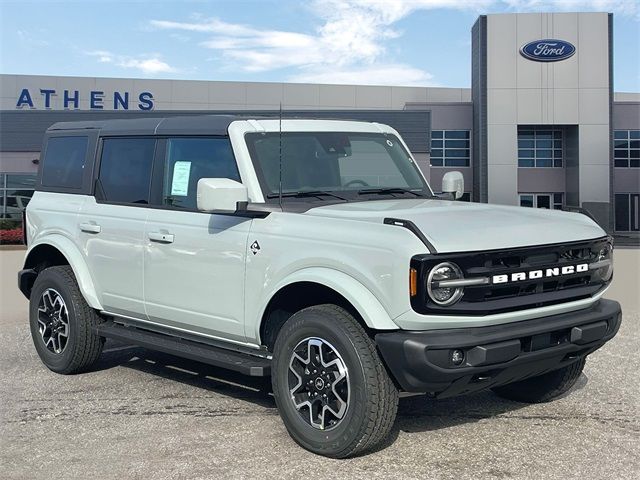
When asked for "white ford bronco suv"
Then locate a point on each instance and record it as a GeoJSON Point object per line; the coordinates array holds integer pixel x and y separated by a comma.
{"type": "Point", "coordinates": [311, 251]}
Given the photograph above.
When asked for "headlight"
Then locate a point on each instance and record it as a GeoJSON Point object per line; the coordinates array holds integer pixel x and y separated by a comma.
{"type": "Point", "coordinates": [437, 287]}
{"type": "Point", "coordinates": [604, 263]}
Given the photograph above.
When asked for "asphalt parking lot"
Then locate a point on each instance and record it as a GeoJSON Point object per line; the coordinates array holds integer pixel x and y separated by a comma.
{"type": "Point", "coordinates": [142, 414]}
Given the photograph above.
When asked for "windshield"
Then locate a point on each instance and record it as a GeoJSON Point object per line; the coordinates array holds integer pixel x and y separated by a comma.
{"type": "Point", "coordinates": [333, 165]}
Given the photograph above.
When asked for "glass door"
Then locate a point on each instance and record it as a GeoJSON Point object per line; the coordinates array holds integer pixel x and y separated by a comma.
{"type": "Point", "coordinates": [627, 212]}
{"type": "Point", "coordinates": [634, 206]}
{"type": "Point", "coordinates": [543, 201]}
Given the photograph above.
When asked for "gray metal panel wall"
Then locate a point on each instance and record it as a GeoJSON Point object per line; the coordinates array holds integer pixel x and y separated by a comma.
{"type": "Point", "coordinates": [22, 131]}
{"type": "Point", "coordinates": [611, 213]}
{"type": "Point", "coordinates": [571, 165]}
{"type": "Point", "coordinates": [450, 116]}
{"type": "Point", "coordinates": [626, 116]}
{"type": "Point", "coordinates": [479, 98]}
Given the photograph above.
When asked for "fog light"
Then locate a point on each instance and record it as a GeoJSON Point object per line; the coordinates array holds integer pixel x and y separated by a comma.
{"type": "Point", "coordinates": [457, 357]}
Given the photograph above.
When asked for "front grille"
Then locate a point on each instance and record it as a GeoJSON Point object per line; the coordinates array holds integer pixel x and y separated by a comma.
{"type": "Point", "coordinates": [496, 298]}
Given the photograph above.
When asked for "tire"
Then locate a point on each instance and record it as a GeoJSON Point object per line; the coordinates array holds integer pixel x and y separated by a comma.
{"type": "Point", "coordinates": [370, 394]}
{"type": "Point", "coordinates": [76, 346]}
{"type": "Point", "coordinates": [543, 388]}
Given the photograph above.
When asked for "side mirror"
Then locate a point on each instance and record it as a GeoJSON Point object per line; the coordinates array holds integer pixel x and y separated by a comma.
{"type": "Point", "coordinates": [220, 194]}
{"type": "Point", "coordinates": [453, 183]}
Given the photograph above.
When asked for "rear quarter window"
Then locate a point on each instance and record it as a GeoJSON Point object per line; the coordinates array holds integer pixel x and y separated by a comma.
{"type": "Point", "coordinates": [64, 162]}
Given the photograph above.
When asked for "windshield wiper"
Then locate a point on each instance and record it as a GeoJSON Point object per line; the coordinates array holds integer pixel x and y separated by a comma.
{"type": "Point", "coordinates": [307, 193]}
{"type": "Point", "coordinates": [389, 190]}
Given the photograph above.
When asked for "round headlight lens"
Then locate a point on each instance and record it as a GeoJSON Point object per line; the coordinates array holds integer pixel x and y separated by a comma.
{"type": "Point", "coordinates": [443, 295]}
{"type": "Point", "coordinates": [605, 254]}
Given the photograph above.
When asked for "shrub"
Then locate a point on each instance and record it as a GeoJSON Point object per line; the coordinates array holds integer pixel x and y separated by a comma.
{"type": "Point", "coordinates": [10, 232]}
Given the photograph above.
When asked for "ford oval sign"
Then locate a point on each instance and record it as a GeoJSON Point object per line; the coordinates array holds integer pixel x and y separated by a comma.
{"type": "Point", "coordinates": [547, 50]}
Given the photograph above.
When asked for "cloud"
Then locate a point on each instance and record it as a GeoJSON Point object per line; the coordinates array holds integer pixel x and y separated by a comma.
{"type": "Point", "coordinates": [180, 37]}
{"type": "Point", "coordinates": [349, 45]}
{"type": "Point", "coordinates": [150, 65]}
{"type": "Point", "coordinates": [378, 74]}
{"type": "Point", "coordinates": [27, 38]}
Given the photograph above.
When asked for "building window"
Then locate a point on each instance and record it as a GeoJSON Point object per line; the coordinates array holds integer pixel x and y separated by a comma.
{"type": "Point", "coordinates": [450, 148]}
{"type": "Point", "coordinates": [542, 200]}
{"type": "Point", "coordinates": [539, 147]}
{"type": "Point", "coordinates": [626, 148]}
{"type": "Point", "coordinates": [627, 212]}
{"type": "Point", "coordinates": [15, 192]}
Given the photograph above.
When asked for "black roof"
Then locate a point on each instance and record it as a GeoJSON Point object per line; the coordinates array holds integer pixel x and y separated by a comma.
{"type": "Point", "coordinates": [193, 124]}
{"type": "Point", "coordinates": [23, 130]}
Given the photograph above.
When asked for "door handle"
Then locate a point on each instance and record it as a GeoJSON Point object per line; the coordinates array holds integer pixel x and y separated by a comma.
{"type": "Point", "coordinates": [161, 237]}
{"type": "Point", "coordinates": [90, 227]}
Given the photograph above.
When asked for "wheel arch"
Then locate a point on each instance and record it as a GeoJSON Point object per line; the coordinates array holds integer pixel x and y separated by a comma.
{"type": "Point", "coordinates": [316, 286]}
{"type": "Point", "coordinates": [59, 250]}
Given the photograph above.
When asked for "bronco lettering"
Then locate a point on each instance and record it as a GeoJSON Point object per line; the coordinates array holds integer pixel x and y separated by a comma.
{"type": "Point", "coordinates": [535, 274]}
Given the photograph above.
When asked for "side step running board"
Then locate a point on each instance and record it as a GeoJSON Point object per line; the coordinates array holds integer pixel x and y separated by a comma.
{"type": "Point", "coordinates": [244, 363]}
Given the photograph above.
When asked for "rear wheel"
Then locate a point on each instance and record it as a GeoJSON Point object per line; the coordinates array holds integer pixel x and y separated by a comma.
{"type": "Point", "coordinates": [63, 325]}
{"type": "Point", "coordinates": [333, 392]}
{"type": "Point", "coordinates": [543, 388]}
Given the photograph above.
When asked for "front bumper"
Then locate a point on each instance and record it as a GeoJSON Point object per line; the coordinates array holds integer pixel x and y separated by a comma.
{"type": "Point", "coordinates": [420, 361]}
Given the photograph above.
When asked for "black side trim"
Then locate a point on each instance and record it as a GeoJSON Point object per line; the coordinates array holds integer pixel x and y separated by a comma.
{"type": "Point", "coordinates": [244, 363]}
{"type": "Point", "coordinates": [243, 209]}
{"type": "Point", "coordinates": [99, 192]}
{"type": "Point", "coordinates": [409, 225]}
{"type": "Point", "coordinates": [25, 281]}
{"type": "Point", "coordinates": [24, 227]}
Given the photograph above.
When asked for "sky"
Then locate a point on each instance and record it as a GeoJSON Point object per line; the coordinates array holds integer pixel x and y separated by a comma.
{"type": "Point", "coordinates": [380, 42]}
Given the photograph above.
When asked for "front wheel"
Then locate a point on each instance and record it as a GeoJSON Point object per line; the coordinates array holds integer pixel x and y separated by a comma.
{"type": "Point", "coordinates": [333, 392]}
{"type": "Point", "coordinates": [543, 388]}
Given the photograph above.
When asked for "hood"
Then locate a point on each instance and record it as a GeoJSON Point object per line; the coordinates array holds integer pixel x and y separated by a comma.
{"type": "Point", "coordinates": [463, 227]}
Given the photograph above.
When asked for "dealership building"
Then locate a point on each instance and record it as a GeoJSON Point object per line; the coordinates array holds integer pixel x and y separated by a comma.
{"type": "Point", "coordinates": [540, 126]}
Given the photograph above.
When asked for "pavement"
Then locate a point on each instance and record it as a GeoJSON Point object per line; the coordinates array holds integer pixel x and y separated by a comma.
{"type": "Point", "coordinates": [142, 414]}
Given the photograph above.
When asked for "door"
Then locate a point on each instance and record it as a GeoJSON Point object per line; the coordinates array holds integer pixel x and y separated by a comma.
{"type": "Point", "coordinates": [634, 212]}
{"type": "Point", "coordinates": [194, 262]}
{"type": "Point", "coordinates": [543, 201]}
{"type": "Point", "coordinates": [111, 224]}
{"type": "Point", "coordinates": [627, 212]}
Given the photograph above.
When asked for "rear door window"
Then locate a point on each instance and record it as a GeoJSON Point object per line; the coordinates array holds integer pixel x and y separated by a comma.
{"type": "Point", "coordinates": [125, 169]}
{"type": "Point", "coordinates": [63, 165]}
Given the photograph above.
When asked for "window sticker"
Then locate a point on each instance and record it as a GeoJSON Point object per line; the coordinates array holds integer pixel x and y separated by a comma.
{"type": "Point", "coordinates": [390, 143]}
{"type": "Point", "coordinates": [180, 182]}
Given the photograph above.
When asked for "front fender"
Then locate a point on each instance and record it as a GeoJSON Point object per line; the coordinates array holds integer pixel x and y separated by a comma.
{"type": "Point", "coordinates": [367, 305]}
{"type": "Point", "coordinates": [77, 263]}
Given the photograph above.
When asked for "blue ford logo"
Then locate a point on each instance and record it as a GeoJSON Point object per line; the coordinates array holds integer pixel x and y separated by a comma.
{"type": "Point", "coordinates": [547, 50]}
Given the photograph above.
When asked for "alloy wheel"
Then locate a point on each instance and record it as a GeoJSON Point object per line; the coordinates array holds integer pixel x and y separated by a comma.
{"type": "Point", "coordinates": [318, 383]}
{"type": "Point", "coordinates": [53, 321]}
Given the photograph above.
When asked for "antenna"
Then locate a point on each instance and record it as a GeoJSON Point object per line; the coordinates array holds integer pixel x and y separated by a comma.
{"type": "Point", "coordinates": [280, 153]}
